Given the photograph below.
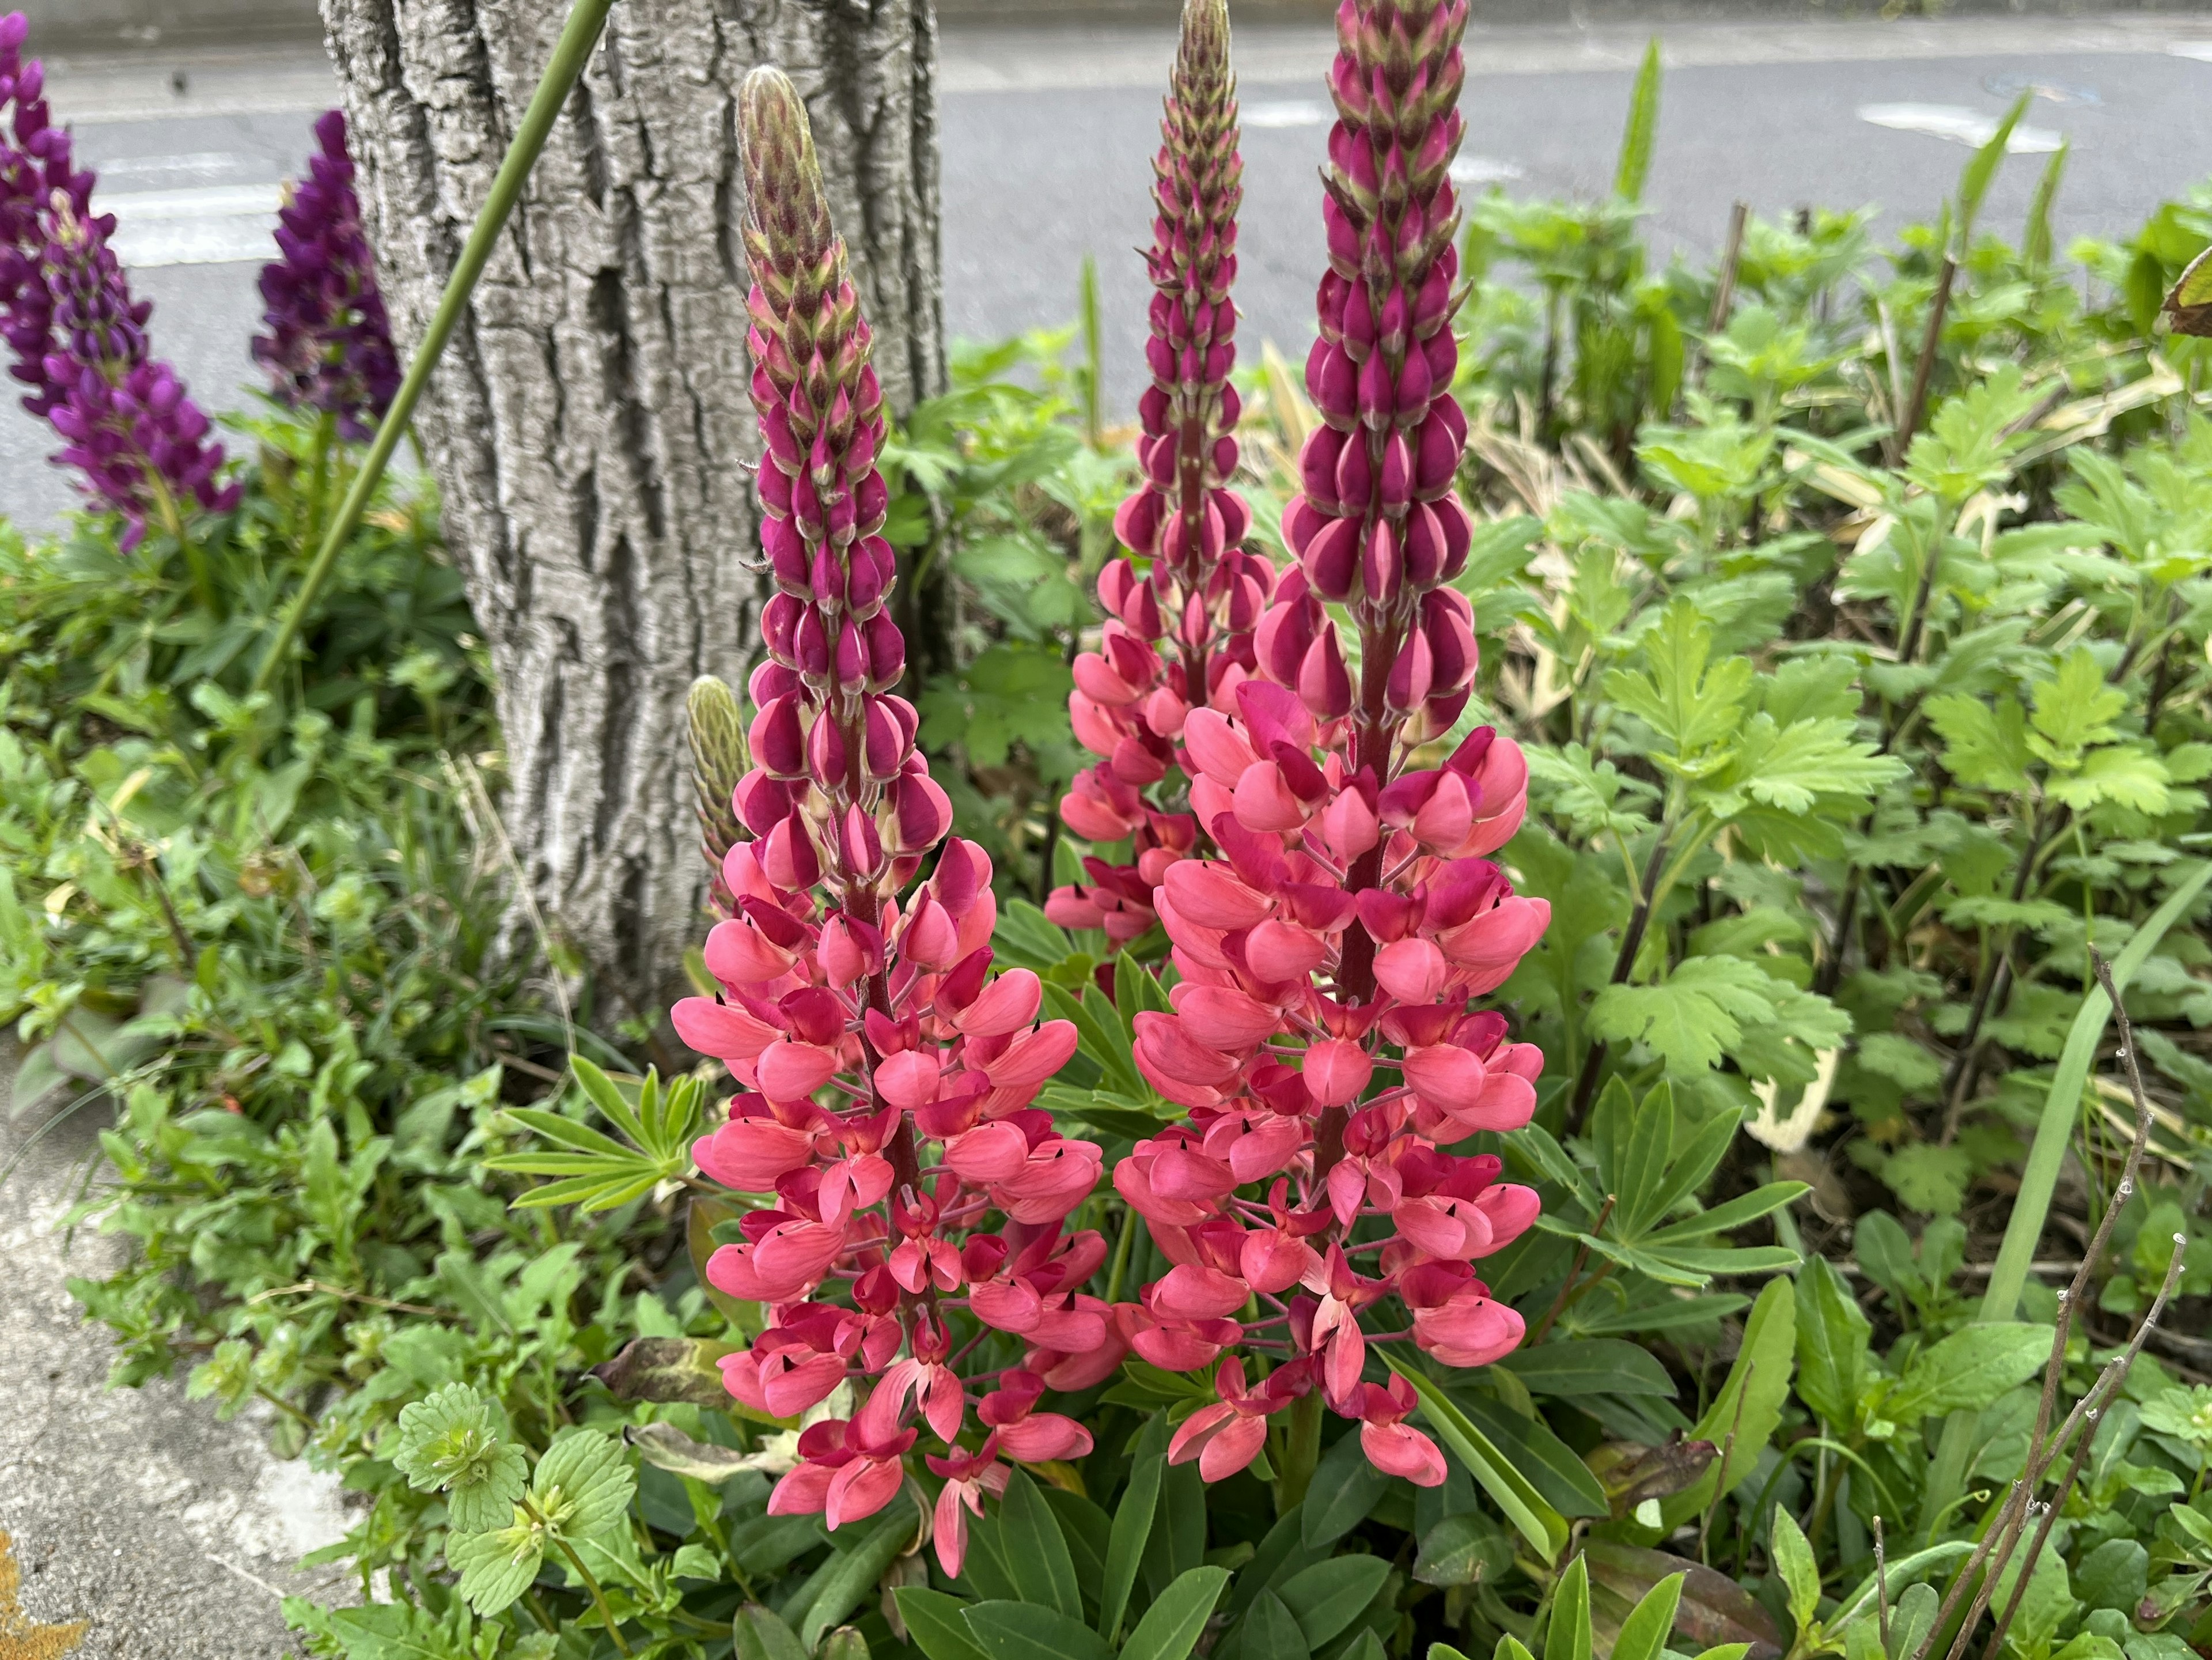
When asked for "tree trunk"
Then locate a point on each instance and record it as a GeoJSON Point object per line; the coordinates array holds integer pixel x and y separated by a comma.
{"type": "Point", "coordinates": [589, 427]}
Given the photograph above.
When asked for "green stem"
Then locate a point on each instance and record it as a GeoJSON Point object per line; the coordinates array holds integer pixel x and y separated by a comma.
{"type": "Point", "coordinates": [1301, 1450]}
{"type": "Point", "coordinates": [581, 35]}
{"type": "Point", "coordinates": [583, 1573]}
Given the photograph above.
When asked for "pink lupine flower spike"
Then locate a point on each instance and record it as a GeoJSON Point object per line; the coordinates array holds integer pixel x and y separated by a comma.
{"type": "Point", "coordinates": [884, 1076]}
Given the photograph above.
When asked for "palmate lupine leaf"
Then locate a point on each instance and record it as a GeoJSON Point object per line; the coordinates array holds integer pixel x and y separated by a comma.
{"type": "Point", "coordinates": [597, 1172]}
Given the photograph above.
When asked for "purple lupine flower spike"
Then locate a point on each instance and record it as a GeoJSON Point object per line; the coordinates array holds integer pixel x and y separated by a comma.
{"type": "Point", "coordinates": [78, 338]}
{"type": "Point", "coordinates": [329, 344]}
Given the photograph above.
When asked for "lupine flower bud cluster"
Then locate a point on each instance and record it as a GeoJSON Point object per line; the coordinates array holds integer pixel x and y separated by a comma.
{"type": "Point", "coordinates": [1179, 632]}
{"type": "Point", "coordinates": [79, 339]}
{"type": "Point", "coordinates": [1376, 526]}
{"type": "Point", "coordinates": [869, 1251]}
{"type": "Point", "coordinates": [1321, 1035]}
{"type": "Point", "coordinates": [835, 767]}
{"type": "Point", "coordinates": [329, 344]}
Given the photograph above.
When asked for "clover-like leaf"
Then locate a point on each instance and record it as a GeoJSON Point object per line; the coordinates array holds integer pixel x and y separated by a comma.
{"type": "Point", "coordinates": [584, 1484]}
{"type": "Point", "coordinates": [451, 1441]}
{"type": "Point", "coordinates": [2183, 1414]}
{"type": "Point", "coordinates": [496, 1565]}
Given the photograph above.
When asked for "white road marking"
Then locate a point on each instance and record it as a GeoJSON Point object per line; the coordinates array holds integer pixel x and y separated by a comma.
{"type": "Point", "coordinates": [1470, 170]}
{"type": "Point", "coordinates": [1960, 126]}
{"type": "Point", "coordinates": [1301, 112]}
{"type": "Point", "coordinates": [211, 225]}
{"type": "Point", "coordinates": [2200, 50]}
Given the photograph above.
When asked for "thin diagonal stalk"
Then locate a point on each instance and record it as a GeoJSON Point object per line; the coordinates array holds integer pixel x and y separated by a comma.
{"type": "Point", "coordinates": [577, 37]}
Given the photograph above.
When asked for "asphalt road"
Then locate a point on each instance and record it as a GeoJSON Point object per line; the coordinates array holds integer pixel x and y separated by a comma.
{"type": "Point", "coordinates": [1048, 136]}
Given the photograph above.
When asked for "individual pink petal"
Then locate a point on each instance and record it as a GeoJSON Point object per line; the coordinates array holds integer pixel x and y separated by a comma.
{"type": "Point", "coordinates": [989, 1153]}
{"type": "Point", "coordinates": [790, 1071]}
{"type": "Point", "coordinates": [1412, 970]}
{"type": "Point", "coordinates": [1006, 1005]}
{"type": "Point", "coordinates": [1512, 1210]}
{"type": "Point", "coordinates": [1445, 1074]}
{"type": "Point", "coordinates": [1044, 1435]}
{"type": "Point", "coordinates": [1222, 1017]}
{"type": "Point", "coordinates": [1033, 1057]}
{"type": "Point", "coordinates": [748, 1154]}
{"type": "Point", "coordinates": [861, 1489]}
{"type": "Point", "coordinates": [908, 1079]}
{"type": "Point", "coordinates": [1282, 951]}
{"type": "Point", "coordinates": [1210, 895]}
{"type": "Point", "coordinates": [803, 1491]}
{"type": "Point", "coordinates": [1337, 1071]}
{"type": "Point", "coordinates": [1194, 1293]}
{"type": "Point", "coordinates": [1397, 1450]}
{"type": "Point", "coordinates": [1236, 1446]}
{"type": "Point", "coordinates": [1218, 749]}
{"type": "Point", "coordinates": [716, 1029]}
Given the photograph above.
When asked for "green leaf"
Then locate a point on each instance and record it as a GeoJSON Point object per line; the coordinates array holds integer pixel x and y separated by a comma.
{"type": "Point", "coordinates": [1460, 1550]}
{"type": "Point", "coordinates": [1796, 768]}
{"type": "Point", "coordinates": [1643, 1634]}
{"type": "Point", "coordinates": [1172, 1626]}
{"type": "Point", "coordinates": [583, 1483]}
{"type": "Point", "coordinates": [496, 1566]}
{"type": "Point", "coordinates": [1985, 742]}
{"type": "Point", "coordinates": [1026, 1631]}
{"type": "Point", "coordinates": [848, 1577]}
{"type": "Point", "coordinates": [1328, 1597]}
{"type": "Point", "coordinates": [1589, 1366]}
{"type": "Point", "coordinates": [1132, 1523]}
{"type": "Point", "coordinates": [2062, 1106]}
{"type": "Point", "coordinates": [603, 1094]}
{"type": "Point", "coordinates": [1729, 1215]}
{"type": "Point", "coordinates": [934, 1621]}
{"type": "Point", "coordinates": [1036, 1550]}
{"type": "Point", "coordinates": [1567, 1636]}
{"type": "Point", "coordinates": [760, 1633]}
{"type": "Point", "coordinates": [1968, 1369]}
{"type": "Point", "coordinates": [1270, 1632]}
{"type": "Point", "coordinates": [1544, 1528]}
{"type": "Point", "coordinates": [2130, 776]}
{"type": "Point", "coordinates": [1749, 1404]}
{"type": "Point", "coordinates": [1532, 1449]}
{"type": "Point", "coordinates": [1793, 1560]}
{"type": "Point", "coordinates": [1833, 1338]}
{"type": "Point", "coordinates": [450, 1440]}
{"type": "Point", "coordinates": [1692, 1019]}
{"type": "Point", "coordinates": [1975, 178]}
{"type": "Point", "coordinates": [1642, 130]}
{"type": "Point", "coordinates": [1344, 1487]}
{"type": "Point", "coordinates": [2074, 708]}
{"type": "Point", "coordinates": [1692, 707]}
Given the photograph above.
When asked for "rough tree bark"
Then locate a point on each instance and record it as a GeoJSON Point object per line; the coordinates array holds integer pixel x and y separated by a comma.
{"type": "Point", "coordinates": [589, 425]}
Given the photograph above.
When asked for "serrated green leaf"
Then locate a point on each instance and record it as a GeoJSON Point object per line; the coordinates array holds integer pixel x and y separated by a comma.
{"type": "Point", "coordinates": [583, 1483]}
{"type": "Point", "coordinates": [1692, 1018]}
{"type": "Point", "coordinates": [1690, 702]}
{"type": "Point", "coordinates": [495, 1566]}
{"type": "Point", "coordinates": [1985, 742]}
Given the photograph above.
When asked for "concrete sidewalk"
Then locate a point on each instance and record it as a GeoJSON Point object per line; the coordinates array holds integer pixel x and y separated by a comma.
{"type": "Point", "coordinates": [133, 1510]}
